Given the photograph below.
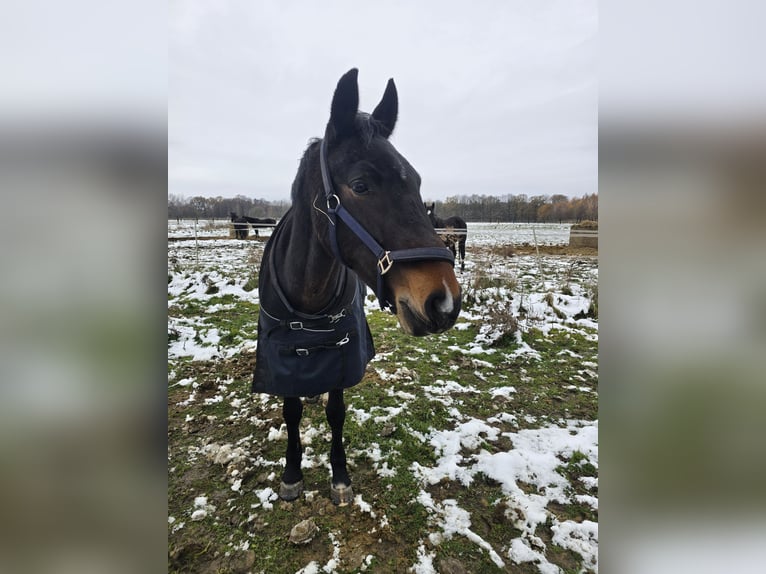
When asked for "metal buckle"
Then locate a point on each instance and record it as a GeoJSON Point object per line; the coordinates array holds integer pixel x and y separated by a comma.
{"type": "Point", "coordinates": [302, 352]}
{"type": "Point", "coordinates": [296, 325]}
{"type": "Point", "coordinates": [385, 263]}
{"type": "Point", "coordinates": [337, 202]}
{"type": "Point", "coordinates": [343, 341]}
{"type": "Point", "coordinates": [338, 317]}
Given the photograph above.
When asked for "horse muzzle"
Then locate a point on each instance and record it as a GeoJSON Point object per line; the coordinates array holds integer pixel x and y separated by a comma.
{"type": "Point", "coordinates": [427, 297]}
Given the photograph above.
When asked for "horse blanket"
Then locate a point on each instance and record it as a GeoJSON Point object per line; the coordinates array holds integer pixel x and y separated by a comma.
{"type": "Point", "coordinates": [300, 355]}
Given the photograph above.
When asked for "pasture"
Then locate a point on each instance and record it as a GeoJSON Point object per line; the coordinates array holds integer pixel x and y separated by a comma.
{"type": "Point", "coordinates": [471, 451]}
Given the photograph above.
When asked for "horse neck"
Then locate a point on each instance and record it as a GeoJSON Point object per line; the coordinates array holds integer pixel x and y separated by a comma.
{"type": "Point", "coordinates": [307, 273]}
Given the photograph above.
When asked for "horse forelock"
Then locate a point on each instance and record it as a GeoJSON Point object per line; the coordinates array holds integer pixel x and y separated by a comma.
{"type": "Point", "coordinates": [367, 127]}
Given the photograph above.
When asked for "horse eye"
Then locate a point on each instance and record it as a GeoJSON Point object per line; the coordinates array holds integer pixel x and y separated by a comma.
{"type": "Point", "coordinates": [359, 187]}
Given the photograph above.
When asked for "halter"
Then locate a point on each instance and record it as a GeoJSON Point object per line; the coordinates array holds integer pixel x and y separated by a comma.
{"type": "Point", "coordinates": [386, 259]}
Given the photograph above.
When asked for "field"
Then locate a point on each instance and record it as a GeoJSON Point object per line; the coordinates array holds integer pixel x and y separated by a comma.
{"type": "Point", "coordinates": [471, 451]}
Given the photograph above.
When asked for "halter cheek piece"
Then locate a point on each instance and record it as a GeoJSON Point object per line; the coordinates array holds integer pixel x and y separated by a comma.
{"type": "Point", "coordinates": [386, 259]}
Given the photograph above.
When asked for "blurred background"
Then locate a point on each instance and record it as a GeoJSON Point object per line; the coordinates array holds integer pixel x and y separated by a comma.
{"type": "Point", "coordinates": [682, 180]}
{"type": "Point", "coordinates": [83, 167]}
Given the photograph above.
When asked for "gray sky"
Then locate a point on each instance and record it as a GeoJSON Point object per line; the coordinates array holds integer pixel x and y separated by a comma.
{"type": "Point", "coordinates": [495, 97]}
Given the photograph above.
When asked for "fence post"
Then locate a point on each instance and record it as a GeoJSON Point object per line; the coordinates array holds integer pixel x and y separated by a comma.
{"type": "Point", "coordinates": [196, 243]}
{"type": "Point", "coordinates": [539, 261]}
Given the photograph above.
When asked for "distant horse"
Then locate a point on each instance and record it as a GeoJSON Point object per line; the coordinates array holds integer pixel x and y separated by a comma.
{"type": "Point", "coordinates": [454, 234]}
{"type": "Point", "coordinates": [356, 220]}
{"type": "Point", "coordinates": [240, 226]}
{"type": "Point", "coordinates": [259, 223]}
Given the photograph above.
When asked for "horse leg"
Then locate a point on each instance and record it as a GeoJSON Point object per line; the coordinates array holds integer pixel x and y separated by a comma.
{"type": "Point", "coordinates": [292, 478]}
{"type": "Point", "coordinates": [462, 255]}
{"type": "Point", "coordinates": [340, 488]}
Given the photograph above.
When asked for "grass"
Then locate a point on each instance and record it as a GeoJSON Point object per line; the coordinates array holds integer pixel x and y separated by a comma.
{"type": "Point", "coordinates": [540, 397]}
{"type": "Point", "coordinates": [242, 536]}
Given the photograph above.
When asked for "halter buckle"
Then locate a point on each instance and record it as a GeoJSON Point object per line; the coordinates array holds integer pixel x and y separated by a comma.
{"type": "Point", "coordinates": [385, 263]}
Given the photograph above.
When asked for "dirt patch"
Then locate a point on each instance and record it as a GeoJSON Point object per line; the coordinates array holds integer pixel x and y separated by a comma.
{"type": "Point", "coordinates": [197, 557]}
{"type": "Point", "coordinates": [528, 249]}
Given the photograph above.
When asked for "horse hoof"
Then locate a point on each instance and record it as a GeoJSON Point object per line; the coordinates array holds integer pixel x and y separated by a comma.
{"type": "Point", "coordinates": [341, 495]}
{"type": "Point", "coordinates": [290, 492]}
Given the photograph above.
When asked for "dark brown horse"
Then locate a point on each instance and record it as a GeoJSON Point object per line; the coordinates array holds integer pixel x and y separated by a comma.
{"type": "Point", "coordinates": [260, 223]}
{"type": "Point", "coordinates": [356, 221]}
{"type": "Point", "coordinates": [453, 230]}
{"type": "Point", "coordinates": [240, 226]}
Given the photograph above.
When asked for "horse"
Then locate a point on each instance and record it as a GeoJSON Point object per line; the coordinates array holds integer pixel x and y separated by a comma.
{"type": "Point", "coordinates": [240, 225]}
{"type": "Point", "coordinates": [356, 221]}
{"type": "Point", "coordinates": [454, 234]}
{"type": "Point", "coordinates": [259, 223]}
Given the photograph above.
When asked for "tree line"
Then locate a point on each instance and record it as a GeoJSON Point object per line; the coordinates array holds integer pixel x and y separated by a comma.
{"type": "Point", "coordinates": [520, 208]}
{"type": "Point", "coordinates": [508, 208]}
{"type": "Point", "coordinates": [199, 207]}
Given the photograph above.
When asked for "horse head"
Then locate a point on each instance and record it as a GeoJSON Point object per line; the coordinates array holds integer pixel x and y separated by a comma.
{"type": "Point", "coordinates": [431, 212]}
{"type": "Point", "coordinates": [381, 190]}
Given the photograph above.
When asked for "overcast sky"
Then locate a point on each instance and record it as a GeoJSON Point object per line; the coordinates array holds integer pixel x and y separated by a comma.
{"type": "Point", "coordinates": [495, 97]}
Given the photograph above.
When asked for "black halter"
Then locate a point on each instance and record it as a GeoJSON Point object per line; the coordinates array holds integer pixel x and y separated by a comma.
{"type": "Point", "coordinates": [386, 259]}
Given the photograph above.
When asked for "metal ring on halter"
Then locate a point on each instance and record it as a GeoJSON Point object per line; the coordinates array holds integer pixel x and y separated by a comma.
{"type": "Point", "coordinates": [337, 199]}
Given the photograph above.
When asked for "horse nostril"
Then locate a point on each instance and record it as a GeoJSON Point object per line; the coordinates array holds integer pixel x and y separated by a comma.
{"type": "Point", "coordinates": [442, 308]}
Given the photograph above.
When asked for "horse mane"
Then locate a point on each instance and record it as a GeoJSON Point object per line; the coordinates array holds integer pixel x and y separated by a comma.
{"type": "Point", "coordinates": [302, 170]}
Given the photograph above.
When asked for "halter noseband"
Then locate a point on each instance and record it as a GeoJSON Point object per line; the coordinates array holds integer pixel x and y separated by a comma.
{"type": "Point", "coordinates": [386, 259]}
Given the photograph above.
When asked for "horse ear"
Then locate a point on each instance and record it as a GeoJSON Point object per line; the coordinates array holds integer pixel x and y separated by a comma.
{"type": "Point", "coordinates": [345, 103]}
{"type": "Point", "coordinates": [388, 108]}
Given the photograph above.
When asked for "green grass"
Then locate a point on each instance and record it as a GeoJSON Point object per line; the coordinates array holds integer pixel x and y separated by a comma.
{"type": "Point", "coordinates": [541, 395]}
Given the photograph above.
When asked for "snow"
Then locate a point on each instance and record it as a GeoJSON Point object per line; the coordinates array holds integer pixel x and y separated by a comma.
{"type": "Point", "coordinates": [267, 496]}
{"type": "Point", "coordinates": [425, 563]}
{"type": "Point", "coordinates": [455, 520]}
{"type": "Point", "coordinates": [333, 562]}
{"type": "Point", "coordinates": [375, 454]}
{"type": "Point", "coordinates": [589, 481]}
{"type": "Point", "coordinates": [530, 457]}
{"type": "Point", "coordinates": [277, 433]}
{"type": "Point", "coordinates": [579, 537]}
{"type": "Point", "coordinates": [310, 568]}
{"type": "Point", "coordinates": [359, 415]}
{"type": "Point", "coordinates": [364, 506]}
{"type": "Point", "coordinates": [521, 552]}
{"type": "Point", "coordinates": [535, 459]}
{"type": "Point", "coordinates": [201, 508]}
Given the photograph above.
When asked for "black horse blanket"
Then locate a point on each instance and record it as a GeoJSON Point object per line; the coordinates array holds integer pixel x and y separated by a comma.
{"type": "Point", "coordinates": [300, 355]}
